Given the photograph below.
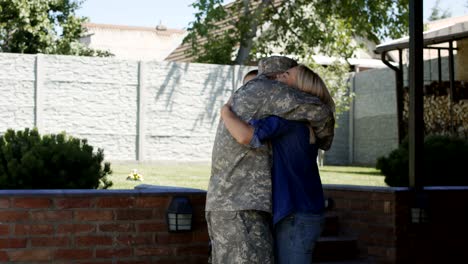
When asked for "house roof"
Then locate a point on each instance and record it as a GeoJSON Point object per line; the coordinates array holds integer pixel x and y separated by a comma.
{"type": "Point", "coordinates": [360, 62]}
{"type": "Point", "coordinates": [180, 54]}
{"type": "Point", "coordinates": [158, 29]}
{"type": "Point", "coordinates": [447, 33]}
{"type": "Point", "coordinates": [133, 42]}
{"type": "Point", "coordinates": [441, 23]}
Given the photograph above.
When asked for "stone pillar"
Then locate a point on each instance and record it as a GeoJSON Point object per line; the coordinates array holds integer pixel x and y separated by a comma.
{"type": "Point", "coordinates": [461, 61]}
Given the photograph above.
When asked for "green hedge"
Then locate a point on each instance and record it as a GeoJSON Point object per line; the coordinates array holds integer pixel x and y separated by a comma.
{"type": "Point", "coordinates": [444, 163]}
{"type": "Point", "coordinates": [31, 161]}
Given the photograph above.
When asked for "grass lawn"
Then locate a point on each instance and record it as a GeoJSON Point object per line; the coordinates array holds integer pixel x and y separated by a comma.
{"type": "Point", "coordinates": [196, 175]}
{"type": "Point", "coordinates": [367, 176]}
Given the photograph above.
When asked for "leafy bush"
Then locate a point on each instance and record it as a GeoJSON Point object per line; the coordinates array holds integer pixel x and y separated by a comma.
{"type": "Point", "coordinates": [444, 163]}
{"type": "Point", "coordinates": [29, 161]}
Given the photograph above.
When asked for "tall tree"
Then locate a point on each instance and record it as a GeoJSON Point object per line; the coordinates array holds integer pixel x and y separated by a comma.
{"type": "Point", "coordinates": [43, 26]}
{"type": "Point", "coordinates": [437, 12]}
{"type": "Point", "coordinates": [245, 30]}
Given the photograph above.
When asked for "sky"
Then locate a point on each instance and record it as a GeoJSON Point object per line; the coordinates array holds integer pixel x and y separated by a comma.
{"type": "Point", "coordinates": [177, 14]}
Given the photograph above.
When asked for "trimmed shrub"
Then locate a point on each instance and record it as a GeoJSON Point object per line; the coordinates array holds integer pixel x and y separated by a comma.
{"type": "Point", "coordinates": [29, 161]}
{"type": "Point", "coordinates": [444, 163]}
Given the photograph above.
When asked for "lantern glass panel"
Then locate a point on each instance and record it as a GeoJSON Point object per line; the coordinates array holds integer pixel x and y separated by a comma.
{"type": "Point", "coordinates": [179, 215]}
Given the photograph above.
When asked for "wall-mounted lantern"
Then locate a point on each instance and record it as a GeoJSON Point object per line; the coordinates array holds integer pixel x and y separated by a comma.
{"type": "Point", "coordinates": [419, 215]}
{"type": "Point", "coordinates": [179, 215]}
{"type": "Point", "coordinates": [420, 208]}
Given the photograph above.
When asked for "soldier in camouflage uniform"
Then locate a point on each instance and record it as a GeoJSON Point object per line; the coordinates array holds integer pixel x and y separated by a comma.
{"type": "Point", "coordinates": [239, 200]}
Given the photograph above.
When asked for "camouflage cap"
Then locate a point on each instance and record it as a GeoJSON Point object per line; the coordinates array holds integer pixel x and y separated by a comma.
{"type": "Point", "coordinates": [275, 64]}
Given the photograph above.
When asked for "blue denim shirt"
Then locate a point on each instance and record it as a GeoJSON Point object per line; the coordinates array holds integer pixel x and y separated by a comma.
{"type": "Point", "coordinates": [295, 176]}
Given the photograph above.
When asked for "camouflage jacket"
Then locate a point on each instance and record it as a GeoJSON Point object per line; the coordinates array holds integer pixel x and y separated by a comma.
{"type": "Point", "coordinates": [240, 175]}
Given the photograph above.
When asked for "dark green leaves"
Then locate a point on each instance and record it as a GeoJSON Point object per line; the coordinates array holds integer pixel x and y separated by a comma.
{"type": "Point", "coordinates": [42, 26]}
{"type": "Point", "coordinates": [29, 161]}
{"type": "Point", "coordinates": [297, 28]}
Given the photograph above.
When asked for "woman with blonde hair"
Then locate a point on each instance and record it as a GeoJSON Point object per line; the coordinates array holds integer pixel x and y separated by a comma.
{"type": "Point", "coordinates": [306, 80]}
{"type": "Point", "coordinates": [298, 200]}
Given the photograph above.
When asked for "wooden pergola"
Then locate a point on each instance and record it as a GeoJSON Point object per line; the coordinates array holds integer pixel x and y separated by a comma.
{"type": "Point", "coordinates": [416, 43]}
{"type": "Point", "coordinates": [449, 35]}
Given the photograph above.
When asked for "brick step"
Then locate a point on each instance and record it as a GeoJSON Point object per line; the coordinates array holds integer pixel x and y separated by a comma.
{"type": "Point", "coordinates": [335, 248]}
{"type": "Point", "coordinates": [332, 226]}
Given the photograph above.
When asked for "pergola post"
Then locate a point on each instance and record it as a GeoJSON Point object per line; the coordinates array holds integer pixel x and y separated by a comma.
{"type": "Point", "coordinates": [416, 75]}
{"type": "Point", "coordinates": [399, 90]}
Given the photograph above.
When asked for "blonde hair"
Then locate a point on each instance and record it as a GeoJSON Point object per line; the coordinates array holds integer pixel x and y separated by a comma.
{"type": "Point", "coordinates": [310, 82]}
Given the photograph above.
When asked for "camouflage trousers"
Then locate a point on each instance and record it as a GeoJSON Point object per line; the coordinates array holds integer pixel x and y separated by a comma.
{"type": "Point", "coordinates": [239, 237]}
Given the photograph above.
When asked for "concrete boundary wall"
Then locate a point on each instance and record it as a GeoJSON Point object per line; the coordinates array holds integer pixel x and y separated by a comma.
{"type": "Point", "coordinates": [150, 111]}
{"type": "Point", "coordinates": [369, 129]}
{"type": "Point", "coordinates": [134, 110]}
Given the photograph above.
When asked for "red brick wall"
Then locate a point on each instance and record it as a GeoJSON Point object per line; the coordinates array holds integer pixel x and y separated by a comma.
{"type": "Point", "coordinates": [129, 226]}
{"type": "Point", "coordinates": [95, 226]}
{"type": "Point", "coordinates": [380, 219]}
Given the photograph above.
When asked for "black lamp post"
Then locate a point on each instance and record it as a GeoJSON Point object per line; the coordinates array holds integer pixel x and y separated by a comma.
{"type": "Point", "coordinates": [179, 215]}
